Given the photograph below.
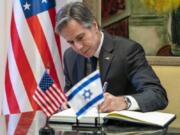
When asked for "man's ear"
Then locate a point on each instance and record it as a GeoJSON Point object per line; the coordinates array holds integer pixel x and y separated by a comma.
{"type": "Point", "coordinates": [95, 25]}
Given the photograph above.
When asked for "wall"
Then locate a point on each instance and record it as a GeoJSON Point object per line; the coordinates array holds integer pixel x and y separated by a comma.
{"type": "Point", "coordinates": [170, 79]}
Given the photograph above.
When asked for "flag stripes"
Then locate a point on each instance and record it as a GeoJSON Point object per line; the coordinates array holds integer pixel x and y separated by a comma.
{"type": "Point", "coordinates": [33, 47]}
{"type": "Point", "coordinates": [47, 103]}
{"type": "Point", "coordinates": [86, 94]}
{"type": "Point", "coordinates": [51, 40]}
{"type": "Point", "coordinates": [56, 97]}
{"type": "Point", "coordinates": [13, 121]}
{"type": "Point", "coordinates": [93, 102]}
{"type": "Point", "coordinates": [26, 62]}
{"type": "Point", "coordinates": [52, 98]}
{"type": "Point", "coordinates": [28, 43]}
{"type": "Point", "coordinates": [22, 64]}
{"type": "Point", "coordinates": [44, 51]}
{"type": "Point", "coordinates": [39, 99]}
{"type": "Point", "coordinates": [11, 99]}
{"type": "Point", "coordinates": [24, 121]}
{"type": "Point", "coordinates": [15, 78]}
{"type": "Point", "coordinates": [46, 100]}
{"type": "Point", "coordinates": [48, 94]}
{"type": "Point", "coordinates": [52, 13]}
{"type": "Point", "coordinates": [80, 87]}
{"type": "Point", "coordinates": [59, 93]}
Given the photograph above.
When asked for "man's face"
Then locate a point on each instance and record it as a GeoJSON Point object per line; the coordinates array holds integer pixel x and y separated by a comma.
{"type": "Point", "coordinates": [83, 40]}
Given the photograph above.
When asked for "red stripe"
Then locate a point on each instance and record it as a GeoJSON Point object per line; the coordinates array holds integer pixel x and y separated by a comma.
{"type": "Point", "coordinates": [11, 98]}
{"type": "Point", "coordinates": [52, 14]}
{"type": "Point", "coordinates": [24, 123]}
{"type": "Point", "coordinates": [62, 92]}
{"type": "Point", "coordinates": [50, 91]}
{"type": "Point", "coordinates": [46, 101]}
{"type": "Point", "coordinates": [7, 122]}
{"type": "Point", "coordinates": [44, 106]}
{"type": "Point", "coordinates": [58, 94]}
{"type": "Point", "coordinates": [42, 46]}
{"type": "Point", "coordinates": [59, 89]}
{"type": "Point", "coordinates": [51, 103]}
{"type": "Point", "coordinates": [36, 98]}
{"type": "Point", "coordinates": [52, 100]}
{"type": "Point", "coordinates": [23, 65]}
{"type": "Point", "coordinates": [48, 104]}
{"type": "Point", "coordinates": [60, 99]}
{"type": "Point", "coordinates": [61, 96]}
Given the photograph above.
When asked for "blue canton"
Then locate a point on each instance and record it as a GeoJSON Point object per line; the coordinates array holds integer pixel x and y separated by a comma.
{"type": "Point", "coordinates": [87, 94]}
{"type": "Point", "coordinates": [33, 7]}
{"type": "Point", "coordinates": [45, 82]}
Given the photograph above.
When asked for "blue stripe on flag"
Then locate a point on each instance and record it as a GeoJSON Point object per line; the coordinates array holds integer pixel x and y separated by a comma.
{"type": "Point", "coordinates": [84, 84]}
{"type": "Point", "coordinates": [89, 104]}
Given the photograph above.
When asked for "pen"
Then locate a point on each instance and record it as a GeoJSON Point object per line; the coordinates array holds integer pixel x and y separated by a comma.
{"type": "Point", "coordinates": [105, 86]}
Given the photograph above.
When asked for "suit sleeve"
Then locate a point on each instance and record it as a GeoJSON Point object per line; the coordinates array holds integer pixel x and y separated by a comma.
{"type": "Point", "coordinates": [150, 94]}
{"type": "Point", "coordinates": [68, 83]}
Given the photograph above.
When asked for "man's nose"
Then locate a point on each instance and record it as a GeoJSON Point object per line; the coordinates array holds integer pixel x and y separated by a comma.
{"type": "Point", "coordinates": [78, 46]}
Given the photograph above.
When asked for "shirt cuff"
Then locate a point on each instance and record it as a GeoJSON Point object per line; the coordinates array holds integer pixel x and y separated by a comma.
{"type": "Point", "coordinates": [134, 104]}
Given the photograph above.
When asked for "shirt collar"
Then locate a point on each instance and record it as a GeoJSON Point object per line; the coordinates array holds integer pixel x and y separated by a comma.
{"type": "Point", "coordinates": [100, 45]}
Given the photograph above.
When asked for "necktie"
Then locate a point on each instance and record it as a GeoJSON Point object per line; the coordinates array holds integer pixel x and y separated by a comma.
{"type": "Point", "coordinates": [91, 64]}
{"type": "Point", "coordinates": [94, 63]}
{"type": "Point", "coordinates": [88, 66]}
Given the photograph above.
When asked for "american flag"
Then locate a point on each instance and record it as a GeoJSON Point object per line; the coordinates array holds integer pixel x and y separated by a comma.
{"type": "Point", "coordinates": [48, 96]}
{"type": "Point", "coordinates": [33, 46]}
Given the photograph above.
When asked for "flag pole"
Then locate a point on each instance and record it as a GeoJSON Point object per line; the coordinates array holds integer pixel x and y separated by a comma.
{"type": "Point", "coordinates": [47, 67]}
{"type": "Point", "coordinates": [98, 119]}
{"type": "Point", "coordinates": [47, 129]}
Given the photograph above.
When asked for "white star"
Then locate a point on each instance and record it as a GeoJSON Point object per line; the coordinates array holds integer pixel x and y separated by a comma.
{"type": "Point", "coordinates": [44, 1]}
{"type": "Point", "coordinates": [26, 6]}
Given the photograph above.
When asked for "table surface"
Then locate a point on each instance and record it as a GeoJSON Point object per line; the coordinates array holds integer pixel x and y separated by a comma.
{"type": "Point", "coordinates": [30, 123]}
{"type": "Point", "coordinates": [67, 129]}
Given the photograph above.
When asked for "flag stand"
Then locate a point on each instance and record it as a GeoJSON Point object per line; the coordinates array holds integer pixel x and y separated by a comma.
{"type": "Point", "coordinates": [96, 127]}
{"type": "Point", "coordinates": [46, 130]}
{"type": "Point", "coordinates": [85, 126]}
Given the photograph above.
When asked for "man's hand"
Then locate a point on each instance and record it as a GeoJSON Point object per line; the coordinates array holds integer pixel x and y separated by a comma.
{"type": "Point", "coordinates": [112, 103]}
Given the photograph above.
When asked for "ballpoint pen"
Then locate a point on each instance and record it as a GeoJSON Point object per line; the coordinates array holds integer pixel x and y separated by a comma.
{"type": "Point", "coordinates": [105, 86]}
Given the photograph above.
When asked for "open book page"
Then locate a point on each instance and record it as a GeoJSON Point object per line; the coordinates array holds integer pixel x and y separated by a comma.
{"type": "Point", "coordinates": [148, 118]}
{"type": "Point", "coordinates": [139, 132]}
{"type": "Point", "coordinates": [151, 118]}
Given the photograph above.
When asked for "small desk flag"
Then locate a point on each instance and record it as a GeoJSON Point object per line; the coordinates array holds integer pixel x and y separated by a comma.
{"type": "Point", "coordinates": [86, 94]}
{"type": "Point", "coordinates": [48, 96]}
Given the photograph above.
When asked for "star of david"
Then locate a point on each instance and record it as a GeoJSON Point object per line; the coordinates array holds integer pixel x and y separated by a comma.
{"type": "Point", "coordinates": [87, 94]}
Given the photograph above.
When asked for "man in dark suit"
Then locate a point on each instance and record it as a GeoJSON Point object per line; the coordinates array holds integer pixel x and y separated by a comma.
{"type": "Point", "coordinates": [133, 84]}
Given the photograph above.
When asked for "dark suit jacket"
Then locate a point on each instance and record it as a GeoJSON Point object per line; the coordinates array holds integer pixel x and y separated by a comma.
{"type": "Point", "coordinates": [123, 65]}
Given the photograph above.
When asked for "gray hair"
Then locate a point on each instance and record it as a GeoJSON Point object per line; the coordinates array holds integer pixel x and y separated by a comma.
{"type": "Point", "coordinates": [74, 10]}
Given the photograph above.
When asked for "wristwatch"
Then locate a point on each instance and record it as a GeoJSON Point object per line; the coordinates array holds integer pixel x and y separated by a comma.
{"type": "Point", "coordinates": [128, 102]}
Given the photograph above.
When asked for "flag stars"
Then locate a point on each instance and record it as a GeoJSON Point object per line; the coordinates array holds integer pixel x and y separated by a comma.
{"type": "Point", "coordinates": [26, 6]}
{"type": "Point", "coordinates": [87, 94]}
{"type": "Point", "coordinates": [44, 1]}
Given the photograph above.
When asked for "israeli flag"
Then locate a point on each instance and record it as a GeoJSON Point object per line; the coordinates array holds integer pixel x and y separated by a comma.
{"type": "Point", "coordinates": [86, 94]}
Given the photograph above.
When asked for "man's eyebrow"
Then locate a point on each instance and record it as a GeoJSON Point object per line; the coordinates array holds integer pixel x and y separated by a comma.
{"type": "Point", "coordinates": [70, 41]}
{"type": "Point", "coordinates": [81, 34]}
